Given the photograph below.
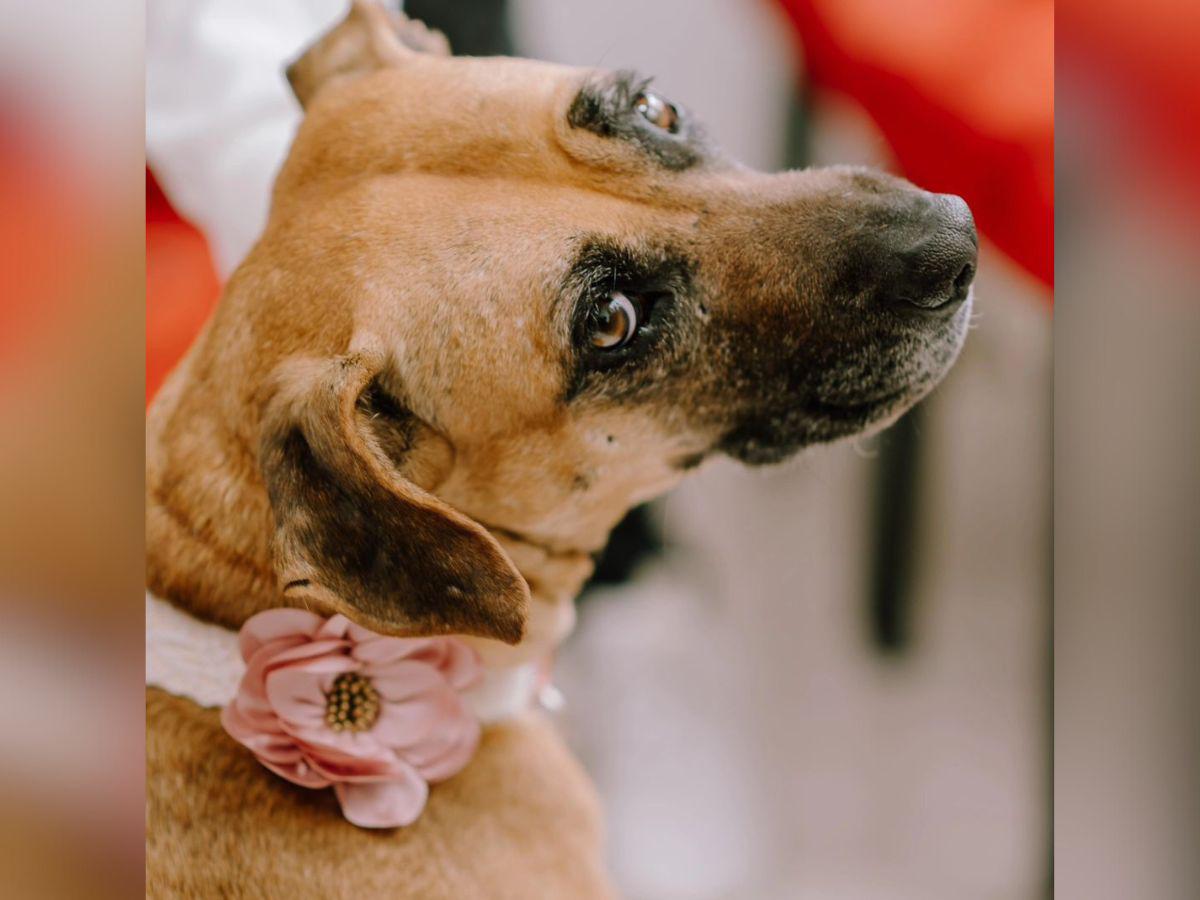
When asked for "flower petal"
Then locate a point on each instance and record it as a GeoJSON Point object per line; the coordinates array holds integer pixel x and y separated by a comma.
{"type": "Point", "coordinates": [342, 753]}
{"type": "Point", "coordinates": [295, 695]}
{"type": "Point", "coordinates": [359, 634]}
{"type": "Point", "coordinates": [379, 650]}
{"type": "Point", "coordinates": [447, 754]}
{"type": "Point", "coordinates": [409, 722]}
{"type": "Point", "coordinates": [289, 652]}
{"type": "Point", "coordinates": [298, 772]}
{"type": "Point", "coordinates": [457, 662]}
{"type": "Point", "coordinates": [278, 749]}
{"type": "Point", "coordinates": [339, 767]}
{"type": "Point", "coordinates": [242, 723]}
{"type": "Point", "coordinates": [308, 651]}
{"type": "Point", "coordinates": [332, 664]}
{"type": "Point", "coordinates": [278, 752]}
{"type": "Point", "coordinates": [384, 804]}
{"type": "Point", "coordinates": [252, 688]}
{"type": "Point", "coordinates": [336, 628]}
{"type": "Point", "coordinates": [461, 665]}
{"type": "Point", "coordinates": [273, 624]}
{"type": "Point", "coordinates": [402, 680]}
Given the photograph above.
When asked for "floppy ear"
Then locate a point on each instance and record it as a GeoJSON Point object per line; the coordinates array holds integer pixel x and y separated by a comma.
{"type": "Point", "coordinates": [370, 37]}
{"type": "Point", "coordinates": [354, 532]}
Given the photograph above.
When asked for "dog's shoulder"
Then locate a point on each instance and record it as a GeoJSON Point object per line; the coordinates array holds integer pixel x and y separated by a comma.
{"type": "Point", "coordinates": [521, 820]}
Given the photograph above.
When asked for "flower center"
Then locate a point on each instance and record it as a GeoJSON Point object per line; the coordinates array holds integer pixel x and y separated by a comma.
{"type": "Point", "coordinates": [352, 704]}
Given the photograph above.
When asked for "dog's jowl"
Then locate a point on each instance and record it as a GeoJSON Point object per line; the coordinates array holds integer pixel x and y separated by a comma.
{"type": "Point", "coordinates": [497, 304]}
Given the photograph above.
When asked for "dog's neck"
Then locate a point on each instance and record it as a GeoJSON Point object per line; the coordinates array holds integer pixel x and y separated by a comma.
{"type": "Point", "coordinates": [216, 585]}
{"type": "Point", "coordinates": [209, 521]}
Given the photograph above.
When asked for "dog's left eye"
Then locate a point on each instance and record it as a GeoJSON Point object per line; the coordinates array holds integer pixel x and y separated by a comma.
{"type": "Point", "coordinates": [615, 321]}
{"type": "Point", "coordinates": [657, 111]}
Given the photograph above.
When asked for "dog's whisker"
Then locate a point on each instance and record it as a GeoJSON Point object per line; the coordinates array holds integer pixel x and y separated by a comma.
{"type": "Point", "coordinates": [863, 449]}
{"type": "Point", "coordinates": [604, 55]}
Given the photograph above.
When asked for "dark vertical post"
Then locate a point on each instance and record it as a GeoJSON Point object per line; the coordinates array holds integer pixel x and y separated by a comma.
{"type": "Point", "coordinates": [894, 500]}
{"type": "Point", "coordinates": [894, 537]}
{"type": "Point", "coordinates": [473, 27]}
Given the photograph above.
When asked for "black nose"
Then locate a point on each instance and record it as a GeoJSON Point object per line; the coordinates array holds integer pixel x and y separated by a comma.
{"type": "Point", "coordinates": [928, 255]}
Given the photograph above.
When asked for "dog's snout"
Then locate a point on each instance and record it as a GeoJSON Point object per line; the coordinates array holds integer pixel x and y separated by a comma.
{"type": "Point", "coordinates": [928, 257]}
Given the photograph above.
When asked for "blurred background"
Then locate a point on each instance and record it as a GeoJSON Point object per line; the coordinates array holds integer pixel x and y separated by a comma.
{"type": "Point", "coordinates": [827, 680]}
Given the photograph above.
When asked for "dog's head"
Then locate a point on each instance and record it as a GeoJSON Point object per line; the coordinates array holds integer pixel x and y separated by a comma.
{"type": "Point", "coordinates": [500, 298]}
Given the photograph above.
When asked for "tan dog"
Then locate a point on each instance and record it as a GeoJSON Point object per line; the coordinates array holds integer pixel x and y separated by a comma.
{"type": "Point", "coordinates": [497, 304]}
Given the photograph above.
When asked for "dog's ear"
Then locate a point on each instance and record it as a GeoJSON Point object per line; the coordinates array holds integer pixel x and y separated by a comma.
{"type": "Point", "coordinates": [370, 37]}
{"type": "Point", "coordinates": [352, 529]}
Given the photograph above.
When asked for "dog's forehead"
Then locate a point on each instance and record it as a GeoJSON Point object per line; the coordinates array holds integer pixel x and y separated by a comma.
{"type": "Point", "coordinates": [472, 90]}
{"type": "Point", "coordinates": [450, 114]}
{"type": "Point", "coordinates": [496, 117]}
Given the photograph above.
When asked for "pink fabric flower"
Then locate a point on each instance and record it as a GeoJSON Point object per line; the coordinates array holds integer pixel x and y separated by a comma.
{"type": "Point", "coordinates": [327, 702]}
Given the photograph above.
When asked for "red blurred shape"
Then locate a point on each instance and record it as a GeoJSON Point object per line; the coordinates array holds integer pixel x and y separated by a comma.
{"type": "Point", "coordinates": [43, 229]}
{"type": "Point", "coordinates": [181, 286]}
{"type": "Point", "coordinates": [964, 94]}
{"type": "Point", "coordinates": [1141, 60]}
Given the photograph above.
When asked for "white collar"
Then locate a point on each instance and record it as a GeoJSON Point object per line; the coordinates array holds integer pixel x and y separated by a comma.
{"type": "Point", "coordinates": [201, 661]}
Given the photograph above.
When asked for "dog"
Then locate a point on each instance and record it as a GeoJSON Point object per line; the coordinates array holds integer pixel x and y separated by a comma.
{"type": "Point", "coordinates": [497, 304]}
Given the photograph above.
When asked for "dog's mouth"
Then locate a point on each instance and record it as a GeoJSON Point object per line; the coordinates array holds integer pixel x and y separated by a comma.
{"type": "Point", "coordinates": [851, 388]}
{"type": "Point", "coordinates": [774, 438]}
{"type": "Point", "coordinates": [552, 549]}
{"type": "Point", "coordinates": [859, 411]}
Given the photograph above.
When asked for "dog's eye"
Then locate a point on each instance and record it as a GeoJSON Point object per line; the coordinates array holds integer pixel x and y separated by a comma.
{"type": "Point", "coordinates": [615, 322]}
{"type": "Point", "coordinates": [657, 111]}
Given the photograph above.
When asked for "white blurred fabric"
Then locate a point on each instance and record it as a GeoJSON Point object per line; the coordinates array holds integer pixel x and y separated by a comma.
{"type": "Point", "coordinates": [219, 112]}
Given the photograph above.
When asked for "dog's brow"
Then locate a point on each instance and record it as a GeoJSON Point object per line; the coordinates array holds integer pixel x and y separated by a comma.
{"type": "Point", "coordinates": [604, 106]}
{"type": "Point", "coordinates": [602, 101]}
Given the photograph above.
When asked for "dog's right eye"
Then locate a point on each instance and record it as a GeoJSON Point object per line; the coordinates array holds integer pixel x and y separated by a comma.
{"type": "Point", "coordinates": [615, 321]}
{"type": "Point", "coordinates": [657, 111]}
